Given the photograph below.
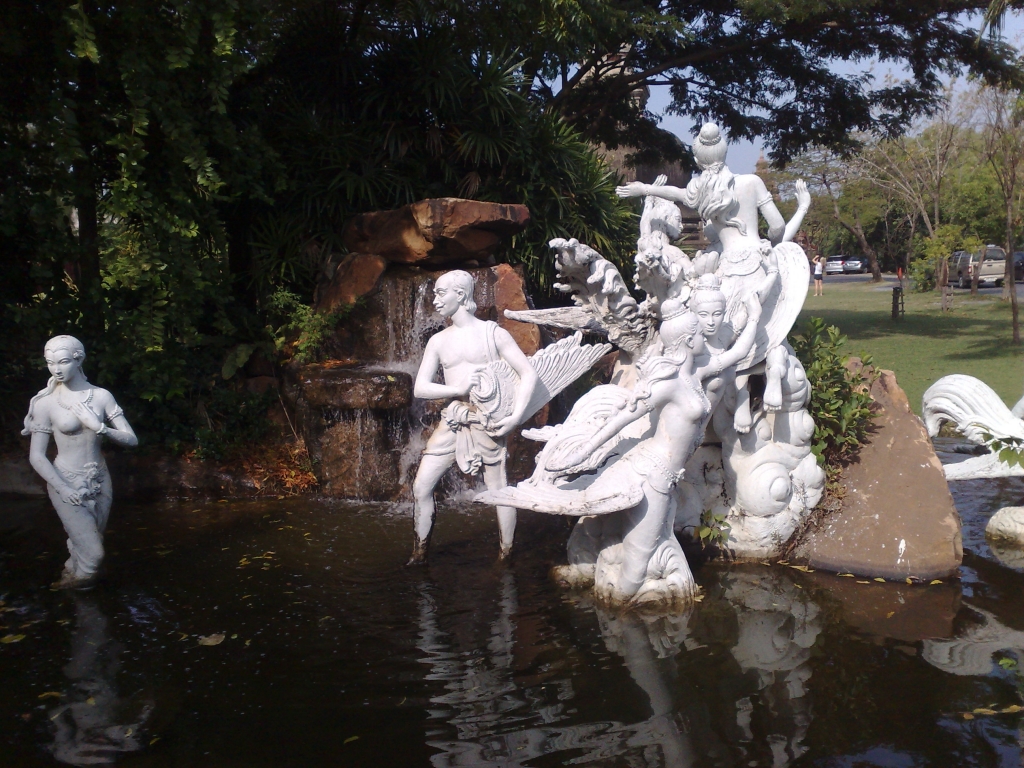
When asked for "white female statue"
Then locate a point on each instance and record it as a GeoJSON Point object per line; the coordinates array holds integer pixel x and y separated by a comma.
{"type": "Point", "coordinates": [77, 415]}
{"type": "Point", "coordinates": [624, 489]}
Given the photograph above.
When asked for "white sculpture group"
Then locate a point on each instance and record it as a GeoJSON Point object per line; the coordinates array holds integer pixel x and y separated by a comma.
{"type": "Point", "coordinates": [674, 435]}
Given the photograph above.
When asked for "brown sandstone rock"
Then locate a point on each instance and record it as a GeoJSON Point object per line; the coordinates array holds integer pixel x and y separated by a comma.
{"type": "Point", "coordinates": [325, 386]}
{"type": "Point", "coordinates": [898, 517]}
{"type": "Point", "coordinates": [510, 293]}
{"type": "Point", "coordinates": [356, 276]}
{"type": "Point", "coordinates": [435, 231]}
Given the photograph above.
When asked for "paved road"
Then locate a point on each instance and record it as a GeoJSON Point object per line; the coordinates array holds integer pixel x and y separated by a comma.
{"type": "Point", "coordinates": [888, 281]}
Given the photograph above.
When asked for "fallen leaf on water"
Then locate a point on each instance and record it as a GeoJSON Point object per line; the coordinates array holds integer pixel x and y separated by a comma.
{"type": "Point", "coordinates": [247, 643]}
{"type": "Point", "coordinates": [1012, 708]}
{"type": "Point", "coordinates": [909, 580]}
{"type": "Point", "coordinates": [968, 716]}
{"type": "Point", "coordinates": [350, 739]}
{"type": "Point", "coordinates": [859, 581]}
{"type": "Point", "coordinates": [984, 711]}
{"type": "Point", "coordinates": [879, 578]}
{"type": "Point", "coordinates": [211, 639]}
{"type": "Point", "coordinates": [12, 639]}
{"type": "Point", "coordinates": [403, 700]}
{"type": "Point", "coordinates": [890, 614]}
{"type": "Point", "coordinates": [847, 574]}
{"type": "Point", "coordinates": [91, 701]}
{"type": "Point", "coordinates": [50, 695]}
{"type": "Point", "coordinates": [935, 581]}
{"type": "Point", "coordinates": [154, 740]}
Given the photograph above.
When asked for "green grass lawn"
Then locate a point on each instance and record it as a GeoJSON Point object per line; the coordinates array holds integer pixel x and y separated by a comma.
{"type": "Point", "coordinates": [974, 338]}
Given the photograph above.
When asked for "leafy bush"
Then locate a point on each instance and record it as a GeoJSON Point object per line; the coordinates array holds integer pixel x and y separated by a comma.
{"type": "Point", "coordinates": [233, 419]}
{"type": "Point", "coordinates": [840, 402]}
{"type": "Point", "coordinates": [923, 270]}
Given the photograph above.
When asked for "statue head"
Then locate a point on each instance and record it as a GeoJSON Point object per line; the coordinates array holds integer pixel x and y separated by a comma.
{"type": "Point", "coordinates": [454, 290]}
{"type": "Point", "coordinates": [680, 334]}
{"type": "Point", "coordinates": [709, 148]}
{"type": "Point", "coordinates": [64, 356]}
{"type": "Point", "coordinates": [709, 303]}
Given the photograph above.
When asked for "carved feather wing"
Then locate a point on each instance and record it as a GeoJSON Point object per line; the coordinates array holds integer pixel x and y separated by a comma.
{"type": "Point", "coordinates": [972, 406]}
{"type": "Point", "coordinates": [557, 367]}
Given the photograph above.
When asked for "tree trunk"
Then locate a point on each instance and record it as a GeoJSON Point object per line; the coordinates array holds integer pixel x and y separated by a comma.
{"type": "Point", "coordinates": [1010, 273]}
{"type": "Point", "coordinates": [858, 233]}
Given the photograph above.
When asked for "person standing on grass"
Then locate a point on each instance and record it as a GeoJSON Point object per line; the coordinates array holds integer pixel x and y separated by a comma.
{"type": "Point", "coordinates": [819, 275]}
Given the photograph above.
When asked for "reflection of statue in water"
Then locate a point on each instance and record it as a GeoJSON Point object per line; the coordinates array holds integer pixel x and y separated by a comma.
{"type": "Point", "coordinates": [76, 414]}
{"type": "Point", "coordinates": [778, 626]}
{"type": "Point", "coordinates": [92, 725]}
{"type": "Point", "coordinates": [498, 389]}
{"type": "Point", "coordinates": [624, 489]}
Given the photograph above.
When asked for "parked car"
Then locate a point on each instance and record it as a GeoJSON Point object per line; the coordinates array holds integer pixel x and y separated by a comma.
{"type": "Point", "coordinates": [834, 265]}
{"type": "Point", "coordinates": [855, 264]}
{"type": "Point", "coordinates": [1018, 266]}
{"type": "Point", "coordinates": [962, 266]}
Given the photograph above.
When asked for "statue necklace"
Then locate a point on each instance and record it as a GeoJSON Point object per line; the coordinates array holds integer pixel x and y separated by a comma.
{"type": "Point", "coordinates": [85, 401]}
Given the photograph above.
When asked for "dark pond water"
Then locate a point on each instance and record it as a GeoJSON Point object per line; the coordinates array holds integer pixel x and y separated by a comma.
{"type": "Point", "coordinates": [334, 654]}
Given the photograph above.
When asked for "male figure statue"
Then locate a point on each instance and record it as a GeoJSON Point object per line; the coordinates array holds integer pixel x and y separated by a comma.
{"type": "Point", "coordinates": [463, 350]}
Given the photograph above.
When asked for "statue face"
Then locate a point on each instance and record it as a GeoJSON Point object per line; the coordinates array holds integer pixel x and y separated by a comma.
{"type": "Point", "coordinates": [61, 364]}
{"type": "Point", "coordinates": [447, 299]}
{"type": "Point", "coordinates": [711, 314]}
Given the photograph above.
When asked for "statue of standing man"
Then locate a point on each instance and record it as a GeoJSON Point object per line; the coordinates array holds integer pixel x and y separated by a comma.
{"type": "Point", "coordinates": [463, 350]}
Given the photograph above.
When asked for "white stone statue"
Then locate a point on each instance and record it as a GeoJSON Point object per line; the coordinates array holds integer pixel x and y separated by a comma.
{"type": "Point", "coordinates": [623, 484]}
{"type": "Point", "coordinates": [77, 415]}
{"type": "Point", "coordinates": [764, 476]}
{"type": "Point", "coordinates": [494, 388]}
{"type": "Point", "coordinates": [974, 409]}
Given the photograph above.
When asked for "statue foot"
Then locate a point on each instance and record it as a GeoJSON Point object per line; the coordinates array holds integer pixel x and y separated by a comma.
{"type": "Point", "coordinates": [742, 421]}
{"type": "Point", "coordinates": [419, 552]}
{"type": "Point", "coordinates": [505, 554]}
{"type": "Point", "coordinates": [68, 580]}
{"type": "Point", "coordinates": [772, 399]}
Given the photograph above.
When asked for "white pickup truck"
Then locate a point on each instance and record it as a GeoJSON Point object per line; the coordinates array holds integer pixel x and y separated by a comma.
{"type": "Point", "coordinates": [962, 266]}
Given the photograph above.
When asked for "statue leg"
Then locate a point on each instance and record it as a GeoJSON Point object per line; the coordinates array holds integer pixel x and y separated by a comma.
{"type": "Point", "coordinates": [85, 542]}
{"type": "Point", "coordinates": [742, 418]}
{"type": "Point", "coordinates": [495, 479]}
{"type": "Point", "coordinates": [647, 532]}
{"type": "Point", "coordinates": [776, 364]}
{"type": "Point", "coordinates": [431, 470]}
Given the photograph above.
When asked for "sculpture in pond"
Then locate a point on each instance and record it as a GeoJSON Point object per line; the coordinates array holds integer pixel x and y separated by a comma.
{"type": "Point", "coordinates": [494, 388]}
{"type": "Point", "coordinates": [974, 409]}
{"type": "Point", "coordinates": [630, 454]}
{"type": "Point", "coordinates": [76, 414]}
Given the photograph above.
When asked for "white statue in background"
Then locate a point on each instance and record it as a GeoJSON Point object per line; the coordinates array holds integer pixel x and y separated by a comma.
{"type": "Point", "coordinates": [76, 414]}
{"type": "Point", "coordinates": [494, 388]}
{"type": "Point", "coordinates": [975, 410]}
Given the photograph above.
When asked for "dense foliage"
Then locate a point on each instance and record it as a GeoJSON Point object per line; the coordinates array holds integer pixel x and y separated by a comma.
{"type": "Point", "coordinates": [167, 167]}
{"type": "Point", "coordinates": [840, 402]}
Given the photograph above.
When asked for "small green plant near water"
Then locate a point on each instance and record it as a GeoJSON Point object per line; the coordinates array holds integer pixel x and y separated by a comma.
{"type": "Point", "coordinates": [840, 401]}
{"type": "Point", "coordinates": [1010, 450]}
{"type": "Point", "coordinates": [713, 529]}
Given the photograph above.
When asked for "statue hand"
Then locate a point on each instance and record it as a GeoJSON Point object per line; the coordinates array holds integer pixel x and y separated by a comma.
{"type": "Point", "coordinates": [754, 308]}
{"type": "Point", "coordinates": [69, 495]}
{"type": "Point", "coordinates": [502, 427]}
{"type": "Point", "coordinates": [803, 196]}
{"type": "Point", "coordinates": [475, 379]}
{"type": "Point", "coordinates": [89, 419]}
{"type": "Point", "coordinates": [633, 189]}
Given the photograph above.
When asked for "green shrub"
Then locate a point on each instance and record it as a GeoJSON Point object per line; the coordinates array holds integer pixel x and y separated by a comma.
{"type": "Point", "coordinates": [840, 402]}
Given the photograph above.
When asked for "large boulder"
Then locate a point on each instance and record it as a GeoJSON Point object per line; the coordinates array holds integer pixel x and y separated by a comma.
{"type": "Point", "coordinates": [356, 276]}
{"type": "Point", "coordinates": [437, 231]}
{"type": "Point", "coordinates": [897, 519]}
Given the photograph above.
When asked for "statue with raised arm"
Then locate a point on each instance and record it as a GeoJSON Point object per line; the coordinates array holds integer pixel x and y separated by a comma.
{"type": "Point", "coordinates": [775, 269]}
{"type": "Point", "coordinates": [77, 415]}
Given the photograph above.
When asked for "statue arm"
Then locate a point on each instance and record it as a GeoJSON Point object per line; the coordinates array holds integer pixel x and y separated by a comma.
{"type": "Point", "coordinates": [803, 203]}
{"type": "Point", "coordinates": [122, 432]}
{"type": "Point", "coordinates": [528, 379]}
{"type": "Point", "coordinates": [43, 467]}
{"type": "Point", "coordinates": [740, 349]}
{"type": "Point", "coordinates": [639, 189]}
{"type": "Point", "coordinates": [425, 387]}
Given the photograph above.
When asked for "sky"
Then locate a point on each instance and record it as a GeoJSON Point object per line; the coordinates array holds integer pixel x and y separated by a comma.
{"type": "Point", "coordinates": [743, 155]}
